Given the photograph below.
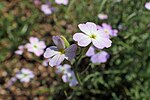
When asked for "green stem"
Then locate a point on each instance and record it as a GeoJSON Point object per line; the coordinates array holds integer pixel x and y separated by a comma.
{"type": "Point", "coordinates": [102, 5]}
{"type": "Point", "coordinates": [78, 60]}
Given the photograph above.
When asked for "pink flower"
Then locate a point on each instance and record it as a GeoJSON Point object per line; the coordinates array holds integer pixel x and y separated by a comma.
{"type": "Point", "coordinates": [92, 35]}
{"type": "Point", "coordinates": [147, 5]}
{"type": "Point", "coordinates": [102, 16]}
{"type": "Point", "coordinates": [25, 75]}
{"type": "Point", "coordinates": [46, 9]}
{"type": "Point", "coordinates": [108, 30]}
{"type": "Point", "coordinates": [36, 46]}
{"type": "Point", "coordinates": [20, 50]}
{"type": "Point", "coordinates": [65, 2]}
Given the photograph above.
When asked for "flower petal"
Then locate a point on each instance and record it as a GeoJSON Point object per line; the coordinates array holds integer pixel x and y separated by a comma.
{"type": "Point", "coordinates": [38, 52]}
{"type": "Point", "coordinates": [57, 60]}
{"type": "Point", "coordinates": [71, 52]}
{"type": "Point", "coordinates": [101, 43]}
{"type": "Point", "coordinates": [51, 51]}
{"type": "Point", "coordinates": [42, 45]}
{"type": "Point", "coordinates": [33, 40]}
{"type": "Point", "coordinates": [100, 57]}
{"type": "Point", "coordinates": [88, 28]}
{"type": "Point", "coordinates": [91, 51]}
{"type": "Point", "coordinates": [82, 39]}
{"type": "Point", "coordinates": [58, 42]}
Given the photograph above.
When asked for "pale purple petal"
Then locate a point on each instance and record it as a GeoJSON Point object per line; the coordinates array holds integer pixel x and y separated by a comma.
{"type": "Point", "coordinates": [38, 52]}
{"type": "Point", "coordinates": [57, 60]}
{"type": "Point", "coordinates": [88, 28]}
{"type": "Point", "coordinates": [90, 52]}
{"type": "Point", "coordinates": [114, 33]}
{"type": "Point", "coordinates": [29, 47]}
{"type": "Point", "coordinates": [26, 79]}
{"type": "Point", "coordinates": [34, 40]}
{"type": "Point", "coordinates": [70, 52]}
{"type": "Point", "coordinates": [101, 43]}
{"type": "Point", "coordinates": [65, 78]}
{"type": "Point", "coordinates": [19, 52]}
{"type": "Point", "coordinates": [65, 2]}
{"type": "Point", "coordinates": [100, 57]}
{"type": "Point", "coordinates": [42, 45]}
{"type": "Point", "coordinates": [102, 16]}
{"type": "Point", "coordinates": [58, 42]}
{"type": "Point", "coordinates": [147, 5]}
{"type": "Point", "coordinates": [51, 51]}
{"type": "Point", "coordinates": [82, 39]}
{"type": "Point", "coordinates": [26, 71]}
{"type": "Point", "coordinates": [63, 69]}
{"type": "Point", "coordinates": [46, 62]}
{"type": "Point", "coordinates": [46, 9]}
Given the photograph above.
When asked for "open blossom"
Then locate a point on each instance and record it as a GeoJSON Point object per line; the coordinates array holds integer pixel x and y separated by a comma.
{"type": "Point", "coordinates": [147, 5]}
{"type": "Point", "coordinates": [25, 75]}
{"type": "Point", "coordinates": [57, 54]}
{"type": "Point", "coordinates": [20, 50]}
{"type": "Point", "coordinates": [102, 16]}
{"type": "Point", "coordinates": [108, 29]}
{"type": "Point", "coordinates": [65, 2]}
{"type": "Point", "coordinates": [46, 9]}
{"type": "Point", "coordinates": [92, 35]}
{"type": "Point", "coordinates": [36, 46]}
{"type": "Point", "coordinates": [97, 58]}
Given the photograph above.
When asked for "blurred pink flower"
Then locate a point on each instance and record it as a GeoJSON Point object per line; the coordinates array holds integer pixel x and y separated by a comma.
{"type": "Point", "coordinates": [20, 50]}
{"type": "Point", "coordinates": [92, 35]}
{"type": "Point", "coordinates": [46, 9]}
{"type": "Point", "coordinates": [108, 29]}
{"type": "Point", "coordinates": [65, 2]}
{"type": "Point", "coordinates": [147, 5]}
{"type": "Point", "coordinates": [102, 16]}
{"type": "Point", "coordinates": [37, 2]}
{"type": "Point", "coordinates": [36, 46]}
{"type": "Point", "coordinates": [25, 75]}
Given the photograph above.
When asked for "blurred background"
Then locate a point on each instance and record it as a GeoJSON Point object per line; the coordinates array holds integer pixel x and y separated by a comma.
{"type": "Point", "coordinates": [125, 76]}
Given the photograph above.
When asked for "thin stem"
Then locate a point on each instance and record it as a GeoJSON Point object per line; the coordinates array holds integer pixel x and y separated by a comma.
{"type": "Point", "coordinates": [102, 5]}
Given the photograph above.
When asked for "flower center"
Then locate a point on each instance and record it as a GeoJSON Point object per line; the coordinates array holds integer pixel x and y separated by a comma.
{"type": "Point", "coordinates": [25, 75]}
{"type": "Point", "coordinates": [35, 46]}
{"type": "Point", "coordinates": [62, 51]}
{"type": "Point", "coordinates": [106, 31]}
{"type": "Point", "coordinates": [93, 36]}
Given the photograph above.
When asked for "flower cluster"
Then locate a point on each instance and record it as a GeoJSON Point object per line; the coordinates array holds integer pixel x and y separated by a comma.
{"type": "Point", "coordinates": [91, 34]}
{"type": "Point", "coordinates": [48, 9]}
{"type": "Point", "coordinates": [68, 75]}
